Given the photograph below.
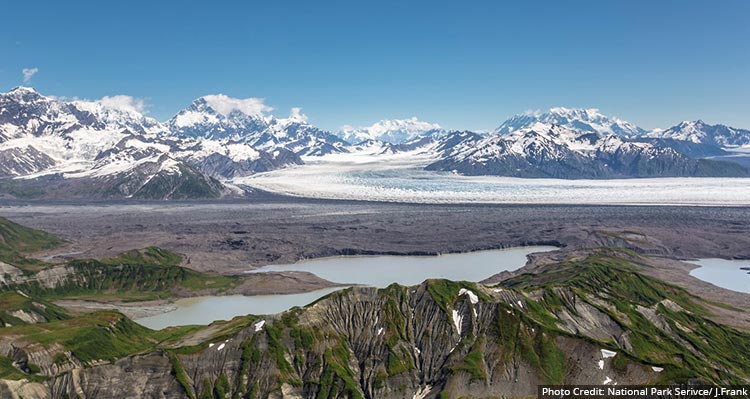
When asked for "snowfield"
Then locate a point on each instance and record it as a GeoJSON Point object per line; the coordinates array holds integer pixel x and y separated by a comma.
{"type": "Point", "coordinates": [400, 178]}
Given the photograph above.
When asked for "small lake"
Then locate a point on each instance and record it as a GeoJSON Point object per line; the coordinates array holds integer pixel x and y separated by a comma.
{"type": "Point", "coordinates": [377, 271]}
{"type": "Point", "coordinates": [206, 309]}
{"type": "Point", "coordinates": [723, 273]}
{"type": "Point", "coordinates": [381, 271]}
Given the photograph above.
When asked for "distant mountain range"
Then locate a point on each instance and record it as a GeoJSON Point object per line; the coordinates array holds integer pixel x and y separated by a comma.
{"type": "Point", "coordinates": [394, 131]}
{"type": "Point", "coordinates": [582, 120]}
{"type": "Point", "coordinates": [51, 148]}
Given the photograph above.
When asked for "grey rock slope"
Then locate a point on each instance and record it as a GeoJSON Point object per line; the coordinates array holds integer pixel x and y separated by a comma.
{"type": "Point", "coordinates": [590, 319]}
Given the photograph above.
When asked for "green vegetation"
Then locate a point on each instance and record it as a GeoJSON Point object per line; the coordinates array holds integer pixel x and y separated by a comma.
{"type": "Point", "coordinates": [222, 388]}
{"type": "Point", "coordinates": [473, 362]}
{"type": "Point", "coordinates": [398, 361]}
{"type": "Point", "coordinates": [105, 335]}
{"type": "Point", "coordinates": [276, 348]}
{"type": "Point", "coordinates": [60, 359]}
{"type": "Point", "coordinates": [207, 391]}
{"type": "Point", "coordinates": [551, 358]}
{"type": "Point", "coordinates": [17, 240]}
{"type": "Point", "coordinates": [136, 275]}
{"type": "Point", "coordinates": [663, 325]}
{"type": "Point", "coordinates": [15, 306]}
{"type": "Point", "coordinates": [9, 372]}
{"type": "Point", "coordinates": [612, 277]}
{"type": "Point", "coordinates": [445, 292]}
{"type": "Point", "coordinates": [338, 379]}
{"type": "Point", "coordinates": [150, 256]}
{"type": "Point", "coordinates": [250, 356]}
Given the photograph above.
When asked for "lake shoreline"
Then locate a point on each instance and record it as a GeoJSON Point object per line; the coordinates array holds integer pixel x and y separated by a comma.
{"type": "Point", "coordinates": [723, 273]}
{"type": "Point", "coordinates": [288, 283]}
{"type": "Point", "coordinates": [375, 271]}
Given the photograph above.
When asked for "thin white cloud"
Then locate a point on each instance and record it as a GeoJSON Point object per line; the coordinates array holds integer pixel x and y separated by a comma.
{"type": "Point", "coordinates": [28, 73]}
{"type": "Point", "coordinates": [123, 103]}
{"type": "Point", "coordinates": [225, 105]}
{"type": "Point", "coordinates": [297, 115]}
{"type": "Point", "coordinates": [120, 102]}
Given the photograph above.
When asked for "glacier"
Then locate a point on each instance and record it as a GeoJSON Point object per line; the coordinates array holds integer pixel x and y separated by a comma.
{"type": "Point", "coordinates": [401, 178]}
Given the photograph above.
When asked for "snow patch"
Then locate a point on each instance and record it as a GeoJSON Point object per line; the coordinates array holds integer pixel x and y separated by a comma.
{"type": "Point", "coordinates": [608, 353]}
{"type": "Point", "coordinates": [220, 347]}
{"type": "Point", "coordinates": [422, 392]}
{"type": "Point", "coordinates": [657, 369]}
{"type": "Point", "coordinates": [457, 319]}
{"type": "Point", "coordinates": [259, 325]}
{"type": "Point", "coordinates": [191, 118]}
{"type": "Point", "coordinates": [473, 298]}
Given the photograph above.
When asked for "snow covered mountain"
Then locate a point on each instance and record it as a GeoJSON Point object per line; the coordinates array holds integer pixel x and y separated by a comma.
{"type": "Point", "coordinates": [395, 131]}
{"type": "Point", "coordinates": [584, 120]}
{"type": "Point", "coordinates": [699, 132]}
{"type": "Point", "coordinates": [39, 133]}
{"type": "Point", "coordinates": [222, 118]}
{"type": "Point", "coordinates": [227, 158]}
{"type": "Point", "coordinates": [554, 151]}
{"type": "Point", "coordinates": [121, 112]}
{"type": "Point", "coordinates": [108, 148]}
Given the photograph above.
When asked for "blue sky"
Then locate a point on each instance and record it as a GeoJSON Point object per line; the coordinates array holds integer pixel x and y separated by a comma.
{"type": "Point", "coordinates": [467, 64]}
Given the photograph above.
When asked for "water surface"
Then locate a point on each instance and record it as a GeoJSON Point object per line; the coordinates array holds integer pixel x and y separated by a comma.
{"type": "Point", "coordinates": [206, 309]}
{"type": "Point", "coordinates": [381, 271]}
{"type": "Point", "coordinates": [724, 273]}
{"type": "Point", "coordinates": [378, 271]}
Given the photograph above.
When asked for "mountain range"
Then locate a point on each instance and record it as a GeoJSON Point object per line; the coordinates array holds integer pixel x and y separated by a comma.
{"type": "Point", "coordinates": [53, 148]}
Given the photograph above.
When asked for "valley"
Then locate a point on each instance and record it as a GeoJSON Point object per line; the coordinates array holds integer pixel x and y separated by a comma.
{"type": "Point", "coordinates": [615, 283]}
{"type": "Point", "coordinates": [401, 178]}
{"type": "Point", "coordinates": [374, 200]}
{"type": "Point", "coordinates": [228, 252]}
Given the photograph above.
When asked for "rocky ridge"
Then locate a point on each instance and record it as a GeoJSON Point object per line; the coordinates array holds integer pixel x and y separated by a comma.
{"type": "Point", "coordinates": [590, 319]}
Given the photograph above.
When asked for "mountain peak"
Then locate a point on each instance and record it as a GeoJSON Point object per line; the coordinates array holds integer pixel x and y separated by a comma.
{"type": "Point", "coordinates": [697, 122]}
{"type": "Point", "coordinates": [24, 92]}
{"type": "Point", "coordinates": [394, 131]}
{"type": "Point", "coordinates": [589, 120]}
{"type": "Point", "coordinates": [700, 132]}
{"type": "Point", "coordinates": [226, 106]}
{"type": "Point", "coordinates": [23, 89]}
{"type": "Point", "coordinates": [586, 112]}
